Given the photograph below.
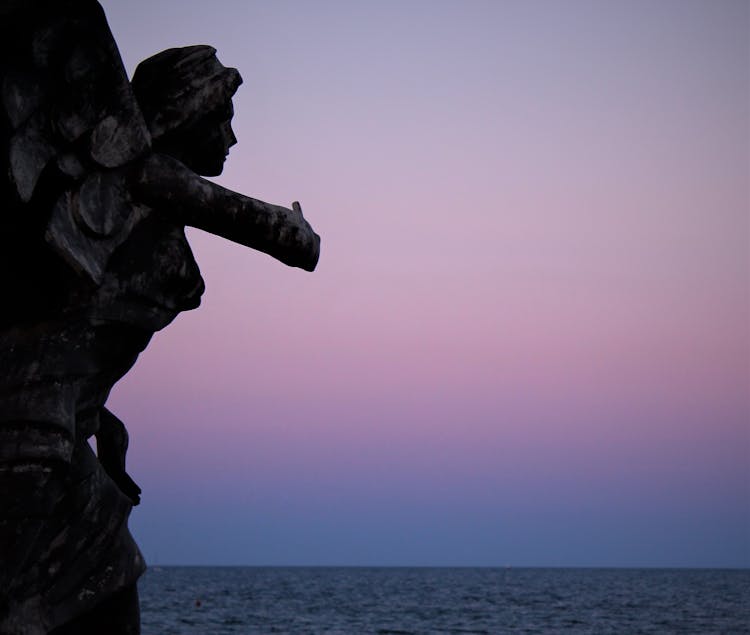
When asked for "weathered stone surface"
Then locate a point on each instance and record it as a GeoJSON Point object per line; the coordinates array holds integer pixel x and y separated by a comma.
{"type": "Point", "coordinates": [98, 179]}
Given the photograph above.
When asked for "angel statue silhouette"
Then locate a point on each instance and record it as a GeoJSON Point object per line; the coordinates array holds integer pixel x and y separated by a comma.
{"type": "Point", "coordinates": [99, 178]}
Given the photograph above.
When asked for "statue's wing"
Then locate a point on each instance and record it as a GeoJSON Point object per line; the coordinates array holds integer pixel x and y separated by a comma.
{"type": "Point", "coordinates": [68, 119]}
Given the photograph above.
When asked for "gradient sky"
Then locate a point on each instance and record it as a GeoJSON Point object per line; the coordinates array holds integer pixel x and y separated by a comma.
{"type": "Point", "coordinates": [528, 338]}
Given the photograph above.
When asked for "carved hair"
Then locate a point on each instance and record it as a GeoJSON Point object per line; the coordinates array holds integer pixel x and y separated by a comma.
{"type": "Point", "coordinates": [179, 86]}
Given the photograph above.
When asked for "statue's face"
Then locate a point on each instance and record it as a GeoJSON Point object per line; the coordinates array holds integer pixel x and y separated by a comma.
{"type": "Point", "coordinates": [204, 146]}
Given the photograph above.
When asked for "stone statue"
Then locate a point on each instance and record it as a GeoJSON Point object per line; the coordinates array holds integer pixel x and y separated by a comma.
{"type": "Point", "coordinates": [99, 178]}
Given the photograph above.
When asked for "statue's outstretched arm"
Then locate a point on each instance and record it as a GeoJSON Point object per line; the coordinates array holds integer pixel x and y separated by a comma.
{"type": "Point", "coordinates": [165, 184]}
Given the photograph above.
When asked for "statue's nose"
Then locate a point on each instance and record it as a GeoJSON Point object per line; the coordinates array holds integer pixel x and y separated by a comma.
{"type": "Point", "coordinates": [229, 138]}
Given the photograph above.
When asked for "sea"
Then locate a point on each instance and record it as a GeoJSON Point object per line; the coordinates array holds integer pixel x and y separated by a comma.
{"type": "Point", "coordinates": [411, 601]}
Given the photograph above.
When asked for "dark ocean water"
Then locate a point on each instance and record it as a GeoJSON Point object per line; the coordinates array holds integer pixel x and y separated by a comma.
{"type": "Point", "coordinates": [219, 600]}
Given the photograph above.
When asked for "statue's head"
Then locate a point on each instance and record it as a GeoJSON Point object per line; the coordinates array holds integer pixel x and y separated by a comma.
{"type": "Point", "coordinates": [185, 95]}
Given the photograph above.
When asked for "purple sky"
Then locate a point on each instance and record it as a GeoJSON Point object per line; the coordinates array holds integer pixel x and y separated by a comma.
{"type": "Point", "coordinates": [528, 338]}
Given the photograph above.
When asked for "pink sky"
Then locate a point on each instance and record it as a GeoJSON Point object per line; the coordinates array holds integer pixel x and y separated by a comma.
{"type": "Point", "coordinates": [528, 338]}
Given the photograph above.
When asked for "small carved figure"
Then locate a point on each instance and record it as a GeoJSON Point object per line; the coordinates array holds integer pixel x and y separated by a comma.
{"type": "Point", "coordinates": [102, 178]}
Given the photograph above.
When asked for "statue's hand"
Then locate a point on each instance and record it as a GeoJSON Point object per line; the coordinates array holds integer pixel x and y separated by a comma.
{"type": "Point", "coordinates": [111, 447]}
{"type": "Point", "coordinates": [128, 487]}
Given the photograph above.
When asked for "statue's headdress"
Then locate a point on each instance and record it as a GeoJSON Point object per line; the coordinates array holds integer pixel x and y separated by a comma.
{"type": "Point", "coordinates": [176, 87]}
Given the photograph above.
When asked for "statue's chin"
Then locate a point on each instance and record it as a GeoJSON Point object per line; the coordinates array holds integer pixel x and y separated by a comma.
{"type": "Point", "coordinates": [205, 166]}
